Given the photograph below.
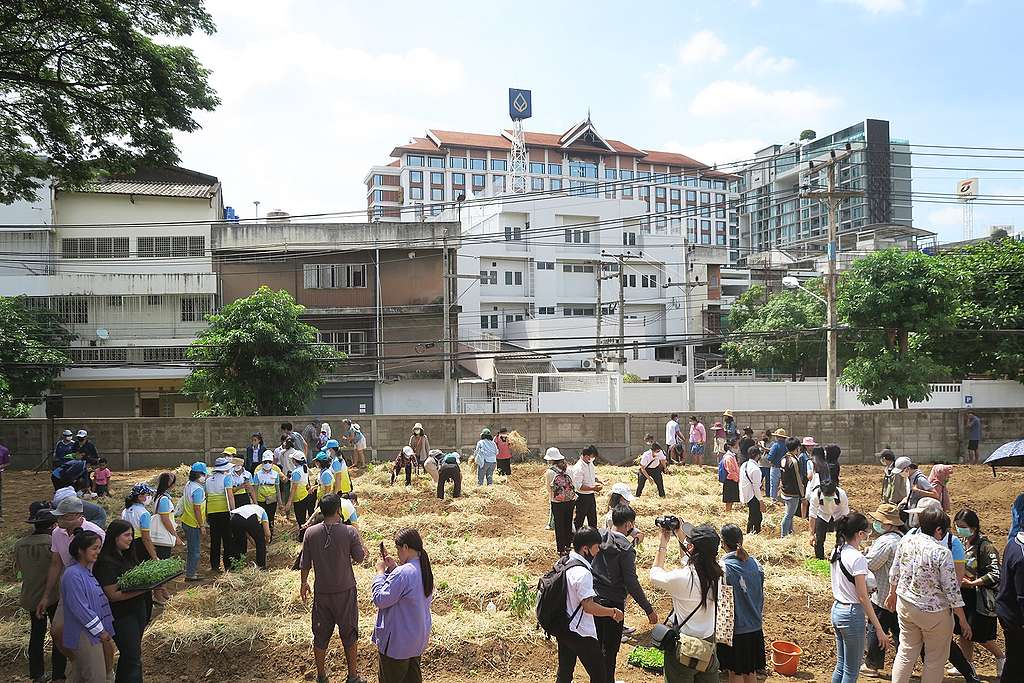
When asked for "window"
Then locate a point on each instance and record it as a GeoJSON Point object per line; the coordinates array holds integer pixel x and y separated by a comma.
{"type": "Point", "coordinates": [659, 192]}
{"type": "Point", "coordinates": [478, 164]}
{"type": "Point", "coordinates": [643, 175]}
{"type": "Point", "coordinates": [436, 178]}
{"type": "Point", "coordinates": [577, 236]}
{"type": "Point", "coordinates": [352, 343]}
{"type": "Point", "coordinates": [630, 280]}
{"type": "Point", "coordinates": [554, 169]}
{"type": "Point", "coordinates": [177, 245]}
{"type": "Point", "coordinates": [457, 162]}
{"type": "Point", "coordinates": [513, 232]}
{"type": "Point", "coordinates": [629, 239]}
{"type": "Point", "coordinates": [582, 169]}
{"type": "Point", "coordinates": [333, 275]}
{"type": "Point", "coordinates": [577, 268]}
{"type": "Point", "coordinates": [437, 194]}
{"type": "Point", "coordinates": [536, 184]}
{"type": "Point", "coordinates": [627, 191]}
{"type": "Point", "coordinates": [545, 265]}
{"type": "Point", "coordinates": [415, 176]}
{"type": "Point", "coordinates": [546, 310]}
{"type": "Point", "coordinates": [435, 162]}
{"type": "Point", "coordinates": [610, 173]}
{"type": "Point", "coordinates": [413, 160]}
{"type": "Point", "coordinates": [648, 280]}
{"type": "Point", "coordinates": [705, 197]}
{"type": "Point", "coordinates": [720, 225]}
{"type": "Point", "coordinates": [659, 207]}
{"type": "Point", "coordinates": [415, 193]}
{"type": "Point", "coordinates": [162, 354]}
{"type": "Point", "coordinates": [154, 300]}
{"type": "Point", "coordinates": [378, 195]}
{"type": "Point", "coordinates": [674, 195]}
{"type": "Point", "coordinates": [645, 192]}
{"type": "Point", "coordinates": [499, 165]}
{"type": "Point", "coordinates": [488, 277]}
{"type": "Point", "coordinates": [378, 179]}
{"type": "Point", "coordinates": [94, 247]}
{"type": "Point", "coordinates": [194, 308]}
{"type": "Point", "coordinates": [556, 183]}
{"type": "Point", "coordinates": [513, 317]}
{"type": "Point", "coordinates": [479, 180]}
{"type": "Point", "coordinates": [691, 196]}
{"type": "Point", "coordinates": [720, 239]}
{"type": "Point", "coordinates": [488, 322]}
{"type": "Point", "coordinates": [536, 167]}
{"type": "Point", "coordinates": [578, 312]}
{"type": "Point", "coordinates": [498, 183]}
{"type": "Point", "coordinates": [458, 178]}
{"type": "Point", "coordinates": [720, 212]}
{"type": "Point", "coordinates": [513, 277]}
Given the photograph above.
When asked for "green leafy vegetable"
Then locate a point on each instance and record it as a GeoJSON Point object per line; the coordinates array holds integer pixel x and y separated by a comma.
{"type": "Point", "coordinates": [819, 567]}
{"type": "Point", "coordinates": [148, 573]}
{"type": "Point", "coordinates": [649, 658]}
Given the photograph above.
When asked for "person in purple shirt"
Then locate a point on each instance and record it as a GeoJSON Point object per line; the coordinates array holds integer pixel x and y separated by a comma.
{"type": "Point", "coordinates": [402, 592]}
{"type": "Point", "coordinates": [88, 623]}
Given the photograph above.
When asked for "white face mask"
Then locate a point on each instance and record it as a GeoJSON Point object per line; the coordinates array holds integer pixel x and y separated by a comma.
{"type": "Point", "coordinates": [268, 466]}
{"type": "Point", "coordinates": [202, 479]}
{"type": "Point", "coordinates": [238, 470]}
{"type": "Point", "coordinates": [144, 500]}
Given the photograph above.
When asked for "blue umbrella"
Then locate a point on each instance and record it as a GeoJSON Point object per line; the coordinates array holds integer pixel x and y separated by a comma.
{"type": "Point", "coordinates": [1011, 453]}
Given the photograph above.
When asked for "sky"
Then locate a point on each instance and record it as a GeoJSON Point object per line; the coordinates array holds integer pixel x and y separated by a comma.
{"type": "Point", "coordinates": [315, 92]}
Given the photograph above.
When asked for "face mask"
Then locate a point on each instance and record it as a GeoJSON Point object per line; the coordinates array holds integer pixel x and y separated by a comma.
{"type": "Point", "coordinates": [238, 470]}
{"type": "Point", "coordinates": [268, 466]}
{"type": "Point", "coordinates": [963, 532]}
{"type": "Point", "coordinates": [877, 526]}
{"type": "Point", "coordinates": [417, 432]}
{"type": "Point", "coordinates": [202, 479]}
{"type": "Point", "coordinates": [144, 500]}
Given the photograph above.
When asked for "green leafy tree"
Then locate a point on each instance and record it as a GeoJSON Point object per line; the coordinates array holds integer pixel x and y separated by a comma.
{"type": "Point", "coordinates": [893, 300]}
{"type": "Point", "coordinates": [989, 296]}
{"type": "Point", "coordinates": [808, 134]}
{"type": "Point", "coordinates": [772, 332]}
{"type": "Point", "coordinates": [86, 86]}
{"type": "Point", "coordinates": [32, 355]}
{"type": "Point", "coordinates": [257, 358]}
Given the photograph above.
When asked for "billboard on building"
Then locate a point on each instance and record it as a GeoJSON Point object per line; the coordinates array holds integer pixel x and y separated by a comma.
{"type": "Point", "coordinates": [520, 104]}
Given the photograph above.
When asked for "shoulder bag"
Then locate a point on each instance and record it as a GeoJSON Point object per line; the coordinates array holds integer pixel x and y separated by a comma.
{"type": "Point", "coordinates": [690, 651]}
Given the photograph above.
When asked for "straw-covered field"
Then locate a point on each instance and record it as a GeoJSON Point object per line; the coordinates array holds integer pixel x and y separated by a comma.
{"type": "Point", "coordinates": [488, 546]}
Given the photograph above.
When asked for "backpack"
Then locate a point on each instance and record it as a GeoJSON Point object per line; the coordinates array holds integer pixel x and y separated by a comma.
{"type": "Point", "coordinates": [562, 489]}
{"type": "Point", "coordinates": [722, 474]}
{"type": "Point", "coordinates": [552, 592]}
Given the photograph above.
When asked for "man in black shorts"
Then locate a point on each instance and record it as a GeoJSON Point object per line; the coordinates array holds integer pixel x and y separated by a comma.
{"type": "Point", "coordinates": [330, 548]}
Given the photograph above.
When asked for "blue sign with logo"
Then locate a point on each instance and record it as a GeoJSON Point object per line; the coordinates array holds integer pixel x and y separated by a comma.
{"type": "Point", "coordinates": [520, 104]}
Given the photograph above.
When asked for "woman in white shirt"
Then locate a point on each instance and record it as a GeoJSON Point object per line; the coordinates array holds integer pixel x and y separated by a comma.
{"type": "Point", "coordinates": [693, 588]}
{"type": "Point", "coordinates": [751, 494]}
{"type": "Point", "coordinates": [852, 602]}
{"type": "Point", "coordinates": [652, 464]}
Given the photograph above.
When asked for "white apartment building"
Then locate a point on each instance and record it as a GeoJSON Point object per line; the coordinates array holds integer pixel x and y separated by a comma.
{"type": "Point", "coordinates": [125, 265]}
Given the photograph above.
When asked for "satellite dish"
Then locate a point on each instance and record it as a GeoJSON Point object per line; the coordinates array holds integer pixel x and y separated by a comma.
{"type": "Point", "coordinates": [102, 333]}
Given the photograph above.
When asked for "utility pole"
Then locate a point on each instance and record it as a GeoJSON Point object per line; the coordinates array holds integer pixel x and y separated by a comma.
{"type": "Point", "coordinates": [832, 198]}
{"type": "Point", "coordinates": [446, 334]}
{"type": "Point", "coordinates": [687, 286]}
{"type": "Point", "coordinates": [599, 276]}
{"type": "Point", "coordinates": [622, 315]}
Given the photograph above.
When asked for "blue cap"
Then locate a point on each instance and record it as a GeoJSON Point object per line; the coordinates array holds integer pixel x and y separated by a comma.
{"type": "Point", "coordinates": [333, 443]}
{"type": "Point", "coordinates": [200, 467]}
{"type": "Point", "coordinates": [140, 489]}
{"type": "Point", "coordinates": [322, 455]}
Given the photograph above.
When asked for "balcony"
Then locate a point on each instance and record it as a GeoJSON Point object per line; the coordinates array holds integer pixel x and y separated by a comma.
{"type": "Point", "coordinates": [103, 284]}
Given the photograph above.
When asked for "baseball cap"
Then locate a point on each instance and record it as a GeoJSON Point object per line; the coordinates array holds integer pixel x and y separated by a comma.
{"type": "Point", "coordinates": [82, 432]}
{"type": "Point", "coordinates": [298, 456]}
{"type": "Point", "coordinates": [902, 463]}
{"type": "Point", "coordinates": [67, 432]}
{"type": "Point", "coordinates": [142, 489]}
{"type": "Point", "coordinates": [268, 456]}
{"type": "Point", "coordinates": [230, 450]}
{"type": "Point", "coordinates": [322, 456]}
{"type": "Point", "coordinates": [486, 431]}
{"type": "Point", "coordinates": [200, 467]}
{"type": "Point", "coordinates": [407, 450]}
{"type": "Point", "coordinates": [704, 538]}
{"type": "Point", "coordinates": [623, 490]}
{"type": "Point", "coordinates": [333, 443]}
{"type": "Point", "coordinates": [70, 505]}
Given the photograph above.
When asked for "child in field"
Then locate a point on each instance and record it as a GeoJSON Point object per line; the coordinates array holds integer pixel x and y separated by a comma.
{"type": "Point", "coordinates": [101, 478]}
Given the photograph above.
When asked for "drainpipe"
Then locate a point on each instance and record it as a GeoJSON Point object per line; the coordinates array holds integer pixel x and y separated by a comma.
{"type": "Point", "coordinates": [379, 320]}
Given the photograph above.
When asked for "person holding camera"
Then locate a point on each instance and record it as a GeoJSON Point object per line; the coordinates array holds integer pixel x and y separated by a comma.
{"type": "Point", "coordinates": [614, 576]}
{"type": "Point", "coordinates": [693, 588]}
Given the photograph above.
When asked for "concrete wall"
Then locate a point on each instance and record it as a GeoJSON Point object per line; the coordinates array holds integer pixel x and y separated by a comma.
{"type": "Point", "coordinates": [926, 435]}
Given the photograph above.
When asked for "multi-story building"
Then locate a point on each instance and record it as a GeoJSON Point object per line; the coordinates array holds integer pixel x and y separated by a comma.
{"type": "Point", "coordinates": [772, 215]}
{"type": "Point", "coordinates": [125, 265]}
{"type": "Point", "coordinates": [373, 291]}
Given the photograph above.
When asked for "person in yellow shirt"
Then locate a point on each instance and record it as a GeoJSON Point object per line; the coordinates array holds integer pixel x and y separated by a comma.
{"type": "Point", "coordinates": [267, 481]}
{"type": "Point", "coordinates": [342, 478]}
{"type": "Point", "coordinates": [299, 499]}
{"type": "Point", "coordinates": [193, 517]}
{"type": "Point", "coordinates": [220, 500]}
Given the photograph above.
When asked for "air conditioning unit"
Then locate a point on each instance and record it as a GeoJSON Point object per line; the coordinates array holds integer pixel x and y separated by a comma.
{"type": "Point", "coordinates": [589, 363]}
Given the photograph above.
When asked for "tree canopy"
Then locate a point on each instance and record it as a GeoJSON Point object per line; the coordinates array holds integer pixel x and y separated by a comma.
{"type": "Point", "coordinates": [86, 88]}
{"type": "Point", "coordinates": [257, 358]}
{"type": "Point", "coordinates": [32, 355]}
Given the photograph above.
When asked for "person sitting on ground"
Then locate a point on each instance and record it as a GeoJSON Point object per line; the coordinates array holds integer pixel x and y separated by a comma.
{"type": "Point", "coordinates": [31, 556]}
{"type": "Point", "coordinates": [614, 570]}
{"type": "Point", "coordinates": [745, 657]}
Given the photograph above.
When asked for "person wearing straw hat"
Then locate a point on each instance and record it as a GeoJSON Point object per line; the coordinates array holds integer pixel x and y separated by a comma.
{"type": "Point", "coordinates": [420, 444]}
{"type": "Point", "coordinates": [732, 430]}
{"type": "Point", "coordinates": [486, 458]}
{"type": "Point", "coordinates": [220, 501]}
{"type": "Point", "coordinates": [776, 452]}
{"type": "Point", "coordinates": [719, 436]}
{"type": "Point", "coordinates": [562, 498]}
{"type": "Point", "coordinates": [888, 527]}
{"type": "Point", "coordinates": [32, 560]}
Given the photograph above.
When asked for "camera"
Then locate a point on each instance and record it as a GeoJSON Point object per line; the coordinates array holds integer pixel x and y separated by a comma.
{"type": "Point", "coordinates": [667, 522]}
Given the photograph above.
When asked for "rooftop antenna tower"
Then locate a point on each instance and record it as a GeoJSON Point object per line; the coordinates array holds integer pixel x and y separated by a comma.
{"type": "Point", "coordinates": [520, 107]}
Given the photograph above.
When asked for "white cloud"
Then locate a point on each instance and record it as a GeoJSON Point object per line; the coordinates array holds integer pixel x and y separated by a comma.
{"type": "Point", "coordinates": [760, 61]}
{"type": "Point", "coordinates": [722, 151]}
{"type": "Point", "coordinates": [743, 100]}
{"type": "Point", "coordinates": [660, 81]}
{"type": "Point", "coordinates": [881, 6]}
{"type": "Point", "coordinates": [703, 46]}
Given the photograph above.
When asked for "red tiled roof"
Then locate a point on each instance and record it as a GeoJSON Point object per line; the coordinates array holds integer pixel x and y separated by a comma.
{"type": "Point", "coordinates": [672, 158]}
{"type": "Point", "coordinates": [396, 162]}
{"type": "Point", "coordinates": [623, 148]}
{"type": "Point", "coordinates": [541, 139]}
{"type": "Point", "coordinates": [416, 145]}
{"type": "Point", "coordinates": [450, 138]}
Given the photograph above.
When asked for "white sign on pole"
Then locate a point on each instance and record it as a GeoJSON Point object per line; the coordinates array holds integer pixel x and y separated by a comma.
{"type": "Point", "coordinates": [967, 190]}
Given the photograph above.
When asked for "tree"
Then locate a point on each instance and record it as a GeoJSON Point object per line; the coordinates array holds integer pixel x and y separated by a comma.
{"type": "Point", "coordinates": [85, 88]}
{"type": "Point", "coordinates": [258, 358]}
{"type": "Point", "coordinates": [808, 134]}
{"type": "Point", "coordinates": [893, 300]}
{"type": "Point", "coordinates": [32, 355]}
{"type": "Point", "coordinates": [784, 316]}
{"type": "Point", "coordinates": [989, 296]}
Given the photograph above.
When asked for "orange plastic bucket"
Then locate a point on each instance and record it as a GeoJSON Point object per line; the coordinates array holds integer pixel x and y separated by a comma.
{"type": "Point", "coordinates": [785, 657]}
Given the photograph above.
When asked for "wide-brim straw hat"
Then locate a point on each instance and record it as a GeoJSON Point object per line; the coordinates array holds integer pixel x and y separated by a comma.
{"type": "Point", "coordinates": [887, 514]}
{"type": "Point", "coordinates": [780, 432]}
{"type": "Point", "coordinates": [727, 413]}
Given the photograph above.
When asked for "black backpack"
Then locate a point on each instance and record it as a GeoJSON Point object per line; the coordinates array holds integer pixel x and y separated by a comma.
{"type": "Point", "coordinates": [552, 590]}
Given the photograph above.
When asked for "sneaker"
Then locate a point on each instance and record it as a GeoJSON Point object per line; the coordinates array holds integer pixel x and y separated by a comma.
{"type": "Point", "coordinates": [190, 579]}
{"type": "Point", "coordinates": [866, 670]}
{"type": "Point", "coordinates": [951, 671]}
{"type": "Point", "coordinates": [627, 630]}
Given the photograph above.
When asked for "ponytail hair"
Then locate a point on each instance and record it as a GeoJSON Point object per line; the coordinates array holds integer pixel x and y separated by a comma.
{"type": "Point", "coordinates": [410, 538]}
{"type": "Point", "coordinates": [732, 539]}
{"type": "Point", "coordinates": [164, 484]}
{"type": "Point", "coordinates": [846, 528]}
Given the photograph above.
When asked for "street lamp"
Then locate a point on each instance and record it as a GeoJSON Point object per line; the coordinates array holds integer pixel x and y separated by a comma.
{"type": "Point", "coordinates": [790, 282]}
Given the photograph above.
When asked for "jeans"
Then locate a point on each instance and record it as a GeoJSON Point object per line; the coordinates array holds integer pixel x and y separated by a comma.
{"type": "Point", "coordinates": [485, 470]}
{"type": "Point", "coordinates": [128, 638]}
{"type": "Point", "coordinates": [875, 657]}
{"type": "Point", "coordinates": [36, 663]}
{"type": "Point", "coordinates": [776, 481]}
{"type": "Point", "coordinates": [193, 539]}
{"type": "Point", "coordinates": [848, 621]}
{"type": "Point", "coordinates": [656, 475]}
{"type": "Point", "coordinates": [792, 505]}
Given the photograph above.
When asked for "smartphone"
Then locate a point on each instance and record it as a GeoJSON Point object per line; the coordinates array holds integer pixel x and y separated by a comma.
{"type": "Point", "coordinates": [383, 553]}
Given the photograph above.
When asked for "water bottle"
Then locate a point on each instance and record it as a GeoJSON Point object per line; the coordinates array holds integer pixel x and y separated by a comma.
{"type": "Point", "coordinates": [492, 609]}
